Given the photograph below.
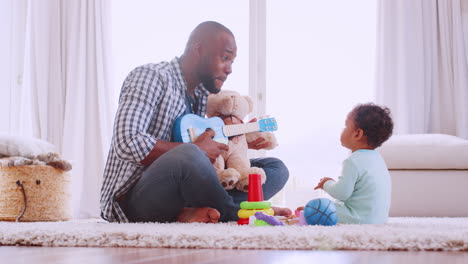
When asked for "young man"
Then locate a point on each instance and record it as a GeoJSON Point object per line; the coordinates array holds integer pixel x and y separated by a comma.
{"type": "Point", "coordinates": [147, 177]}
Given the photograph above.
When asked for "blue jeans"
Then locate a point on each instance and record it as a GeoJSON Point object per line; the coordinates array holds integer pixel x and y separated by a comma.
{"type": "Point", "coordinates": [185, 177]}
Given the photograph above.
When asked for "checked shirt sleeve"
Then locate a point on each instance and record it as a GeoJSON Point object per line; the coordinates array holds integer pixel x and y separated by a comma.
{"type": "Point", "coordinates": [138, 100]}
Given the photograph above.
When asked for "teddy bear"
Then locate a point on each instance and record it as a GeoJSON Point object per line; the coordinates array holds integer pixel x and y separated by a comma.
{"type": "Point", "coordinates": [233, 167]}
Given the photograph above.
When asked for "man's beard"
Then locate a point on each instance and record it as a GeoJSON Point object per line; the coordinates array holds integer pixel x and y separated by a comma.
{"type": "Point", "coordinates": [208, 80]}
{"type": "Point", "coordinates": [210, 85]}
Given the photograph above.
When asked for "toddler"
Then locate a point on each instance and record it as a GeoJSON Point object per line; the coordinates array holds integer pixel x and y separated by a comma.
{"type": "Point", "coordinates": [363, 190]}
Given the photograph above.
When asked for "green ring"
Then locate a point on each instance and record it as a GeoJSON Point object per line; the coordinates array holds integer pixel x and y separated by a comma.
{"type": "Point", "coordinates": [255, 205]}
{"type": "Point", "coordinates": [260, 223]}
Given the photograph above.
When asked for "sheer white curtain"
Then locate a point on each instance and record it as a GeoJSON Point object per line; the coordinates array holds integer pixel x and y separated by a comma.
{"type": "Point", "coordinates": [13, 95]}
{"type": "Point", "coordinates": [66, 76]}
{"type": "Point", "coordinates": [464, 6]}
{"type": "Point", "coordinates": [422, 72]}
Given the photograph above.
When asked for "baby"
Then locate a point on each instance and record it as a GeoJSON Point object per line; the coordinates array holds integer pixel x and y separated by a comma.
{"type": "Point", "coordinates": [364, 187]}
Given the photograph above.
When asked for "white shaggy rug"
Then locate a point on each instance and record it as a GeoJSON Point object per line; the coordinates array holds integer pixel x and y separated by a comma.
{"type": "Point", "coordinates": [399, 234]}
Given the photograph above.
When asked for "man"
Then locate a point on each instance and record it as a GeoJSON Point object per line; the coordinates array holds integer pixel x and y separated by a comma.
{"type": "Point", "coordinates": [147, 177]}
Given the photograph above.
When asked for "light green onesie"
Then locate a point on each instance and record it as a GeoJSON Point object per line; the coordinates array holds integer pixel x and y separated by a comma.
{"type": "Point", "coordinates": [364, 188]}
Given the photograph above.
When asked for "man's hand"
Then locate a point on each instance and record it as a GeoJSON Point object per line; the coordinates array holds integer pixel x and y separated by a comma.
{"type": "Point", "coordinates": [322, 182]}
{"type": "Point", "coordinates": [212, 148]}
{"type": "Point", "coordinates": [259, 143]}
{"type": "Point", "coordinates": [232, 121]}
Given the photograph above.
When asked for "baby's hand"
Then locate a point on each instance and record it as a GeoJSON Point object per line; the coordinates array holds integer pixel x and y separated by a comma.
{"type": "Point", "coordinates": [322, 182]}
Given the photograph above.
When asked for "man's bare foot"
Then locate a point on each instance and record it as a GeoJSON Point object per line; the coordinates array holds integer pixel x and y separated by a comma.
{"type": "Point", "coordinates": [281, 211]}
{"type": "Point", "coordinates": [199, 215]}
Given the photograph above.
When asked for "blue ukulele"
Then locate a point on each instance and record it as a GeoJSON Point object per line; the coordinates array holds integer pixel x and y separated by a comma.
{"type": "Point", "coordinates": [189, 127]}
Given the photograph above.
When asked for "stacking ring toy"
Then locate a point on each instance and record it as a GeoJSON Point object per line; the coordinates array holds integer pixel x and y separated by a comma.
{"type": "Point", "coordinates": [243, 213]}
{"type": "Point", "coordinates": [260, 223]}
{"type": "Point", "coordinates": [243, 221]}
{"type": "Point", "coordinates": [255, 205]}
{"type": "Point", "coordinates": [271, 220]}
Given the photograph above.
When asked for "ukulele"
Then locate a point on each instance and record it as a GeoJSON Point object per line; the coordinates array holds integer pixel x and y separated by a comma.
{"type": "Point", "coordinates": [189, 127]}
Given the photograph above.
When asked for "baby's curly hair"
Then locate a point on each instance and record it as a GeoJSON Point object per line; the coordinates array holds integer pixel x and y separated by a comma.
{"type": "Point", "coordinates": [375, 121]}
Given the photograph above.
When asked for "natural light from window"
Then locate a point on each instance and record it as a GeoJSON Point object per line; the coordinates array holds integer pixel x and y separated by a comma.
{"type": "Point", "coordinates": [320, 63]}
{"type": "Point", "coordinates": [149, 31]}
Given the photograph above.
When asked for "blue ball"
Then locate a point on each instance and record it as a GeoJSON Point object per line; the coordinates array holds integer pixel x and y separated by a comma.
{"type": "Point", "coordinates": [320, 212]}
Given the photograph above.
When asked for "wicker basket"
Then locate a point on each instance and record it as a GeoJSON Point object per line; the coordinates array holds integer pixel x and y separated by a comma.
{"type": "Point", "coordinates": [46, 189]}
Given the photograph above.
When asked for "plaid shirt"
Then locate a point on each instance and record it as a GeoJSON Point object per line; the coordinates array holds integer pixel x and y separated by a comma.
{"type": "Point", "coordinates": [152, 98]}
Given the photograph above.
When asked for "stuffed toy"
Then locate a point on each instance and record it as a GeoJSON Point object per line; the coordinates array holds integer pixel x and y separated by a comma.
{"type": "Point", "coordinates": [20, 151]}
{"type": "Point", "coordinates": [233, 167]}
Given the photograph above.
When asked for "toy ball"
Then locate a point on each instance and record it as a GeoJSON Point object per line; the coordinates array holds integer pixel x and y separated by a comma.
{"type": "Point", "coordinates": [320, 212]}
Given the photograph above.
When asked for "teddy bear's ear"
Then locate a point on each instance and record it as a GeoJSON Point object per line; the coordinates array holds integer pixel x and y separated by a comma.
{"type": "Point", "coordinates": [250, 102]}
{"type": "Point", "coordinates": [227, 105]}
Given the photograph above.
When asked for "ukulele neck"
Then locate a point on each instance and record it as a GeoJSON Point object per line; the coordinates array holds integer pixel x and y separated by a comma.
{"type": "Point", "coordinates": [239, 129]}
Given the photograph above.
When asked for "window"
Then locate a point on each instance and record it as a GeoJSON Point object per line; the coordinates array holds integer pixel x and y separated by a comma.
{"type": "Point", "coordinates": [148, 31]}
{"type": "Point", "coordinates": [320, 63]}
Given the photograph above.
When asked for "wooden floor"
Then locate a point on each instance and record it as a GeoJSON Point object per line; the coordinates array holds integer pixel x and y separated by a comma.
{"type": "Point", "coordinates": [40, 255]}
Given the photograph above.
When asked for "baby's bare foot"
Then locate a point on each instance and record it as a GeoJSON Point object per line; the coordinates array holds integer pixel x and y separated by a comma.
{"type": "Point", "coordinates": [198, 215]}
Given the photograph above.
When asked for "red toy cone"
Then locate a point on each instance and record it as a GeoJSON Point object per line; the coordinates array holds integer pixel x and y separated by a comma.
{"type": "Point", "coordinates": [255, 188]}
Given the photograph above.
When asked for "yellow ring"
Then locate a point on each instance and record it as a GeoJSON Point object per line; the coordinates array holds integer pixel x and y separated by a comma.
{"type": "Point", "coordinates": [244, 213]}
